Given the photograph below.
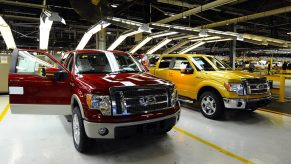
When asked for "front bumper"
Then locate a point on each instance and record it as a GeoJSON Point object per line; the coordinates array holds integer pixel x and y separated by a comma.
{"type": "Point", "coordinates": [246, 103]}
{"type": "Point", "coordinates": [115, 130]}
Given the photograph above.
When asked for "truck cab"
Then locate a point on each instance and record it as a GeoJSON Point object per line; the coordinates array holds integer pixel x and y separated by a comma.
{"type": "Point", "coordinates": [108, 94]}
{"type": "Point", "coordinates": [213, 83]}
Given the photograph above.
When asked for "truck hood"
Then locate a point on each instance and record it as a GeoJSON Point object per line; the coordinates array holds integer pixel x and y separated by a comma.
{"type": "Point", "coordinates": [102, 82]}
{"type": "Point", "coordinates": [229, 75]}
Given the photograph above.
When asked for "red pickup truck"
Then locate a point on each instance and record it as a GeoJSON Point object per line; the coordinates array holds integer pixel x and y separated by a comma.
{"type": "Point", "coordinates": [108, 94]}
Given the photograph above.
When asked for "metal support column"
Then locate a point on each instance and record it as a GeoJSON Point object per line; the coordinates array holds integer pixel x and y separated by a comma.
{"type": "Point", "coordinates": [233, 51]}
{"type": "Point", "coordinates": [101, 40]}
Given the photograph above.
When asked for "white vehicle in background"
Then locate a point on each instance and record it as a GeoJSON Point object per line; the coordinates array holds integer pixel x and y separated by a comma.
{"type": "Point", "coordinates": [257, 64]}
{"type": "Point", "coordinates": [279, 64]}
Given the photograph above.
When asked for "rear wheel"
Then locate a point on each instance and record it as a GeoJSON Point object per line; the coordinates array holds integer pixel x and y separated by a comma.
{"type": "Point", "coordinates": [81, 141]}
{"type": "Point", "coordinates": [211, 105]}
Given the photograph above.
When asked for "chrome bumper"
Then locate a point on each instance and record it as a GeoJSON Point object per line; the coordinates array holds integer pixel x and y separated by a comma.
{"type": "Point", "coordinates": [92, 128]}
{"type": "Point", "coordinates": [246, 103]}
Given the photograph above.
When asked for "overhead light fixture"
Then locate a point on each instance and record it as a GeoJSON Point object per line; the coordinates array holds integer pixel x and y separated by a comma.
{"type": "Point", "coordinates": [121, 38]}
{"type": "Point", "coordinates": [165, 34]}
{"type": "Point", "coordinates": [140, 44]}
{"type": "Point", "coordinates": [203, 33]}
{"type": "Point", "coordinates": [220, 40]}
{"type": "Point", "coordinates": [265, 42]}
{"type": "Point", "coordinates": [114, 5]}
{"type": "Point", "coordinates": [206, 38]}
{"type": "Point", "coordinates": [240, 37]}
{"type": "Point", "coordinates": [187, 49]}
{"type": "Point", "coordinates": [93, 30]}
{"type": "Point", "coordinates": [149, 38]}
{"type": "Point", "coordinates": [158, 46]}
{"type": "Point", "coordinates": [46, 20]}
{"type": "Point", "coordinates": [7, 34]}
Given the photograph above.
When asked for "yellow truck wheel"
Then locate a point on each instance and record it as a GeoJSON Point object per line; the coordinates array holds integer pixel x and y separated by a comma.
{"type": "Point", "coordinates": [211, 105]}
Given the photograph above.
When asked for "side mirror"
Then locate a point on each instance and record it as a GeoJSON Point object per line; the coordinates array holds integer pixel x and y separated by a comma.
{"type": "Point", "coordinates": [187, 71]}
{"type": "Point", "coordinates": [54, 73]}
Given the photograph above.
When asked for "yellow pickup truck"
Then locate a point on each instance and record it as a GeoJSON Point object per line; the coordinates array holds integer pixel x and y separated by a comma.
{"type": "Point", "coordinates": [213, 83]}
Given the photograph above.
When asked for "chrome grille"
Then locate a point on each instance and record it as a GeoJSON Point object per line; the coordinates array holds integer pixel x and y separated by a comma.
{"type": "Point", "coordinates": [257, 86]}
{"type": "Point", "coordinates": [139, 99]}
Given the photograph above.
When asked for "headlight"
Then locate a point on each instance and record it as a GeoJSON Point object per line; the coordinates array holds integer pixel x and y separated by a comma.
{"type": "Point", "coordinates": [101, 103]}
{"type": "Point", "coordinates": [235, 87]}
{"type": "Point", "coordinates": [174, 96]}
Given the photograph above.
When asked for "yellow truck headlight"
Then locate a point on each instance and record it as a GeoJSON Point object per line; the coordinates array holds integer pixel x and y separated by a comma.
{"type": "Point", "coordinates": [235, 87]}
{"type": "Point", "coordinates": [98, 102]}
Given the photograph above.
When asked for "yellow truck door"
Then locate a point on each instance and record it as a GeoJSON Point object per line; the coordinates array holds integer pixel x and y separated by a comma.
{"type": "Point", "coordinates": [163, 66]}
{"type": "Point", "coordinates": [186, 81]}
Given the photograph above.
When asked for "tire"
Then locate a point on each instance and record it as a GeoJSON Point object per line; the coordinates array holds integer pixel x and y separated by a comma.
{"type": "Point", "coordinates": [211, 105]}
{"type": "Point", "coordinates": [81, 141]}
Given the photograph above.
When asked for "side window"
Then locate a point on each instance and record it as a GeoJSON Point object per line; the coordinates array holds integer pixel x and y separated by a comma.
{"type": "Point", "coordinates": [30, 62]}
{"type": "Point", "coordinates": [165, 62]}
{"type": "Point", "coordinates": [69, 63]}
{"type": "Point", "coordinates": [181, 63]}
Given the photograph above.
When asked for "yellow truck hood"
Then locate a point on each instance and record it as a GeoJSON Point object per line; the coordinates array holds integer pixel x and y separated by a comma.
{"type": "Point", "coordinates": [229, 75]}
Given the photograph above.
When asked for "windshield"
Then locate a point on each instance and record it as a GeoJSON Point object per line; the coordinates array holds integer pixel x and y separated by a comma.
{"type": "Point", "coordinates": [220, 65]}
{"type": "Point", "coordinates": [202, 64]}
{"type": "Point", "coordinates": [98, 63]}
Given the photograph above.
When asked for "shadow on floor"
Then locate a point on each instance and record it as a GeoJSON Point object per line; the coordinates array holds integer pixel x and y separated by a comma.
{"type": "Point", "coordinates": [232, 115]}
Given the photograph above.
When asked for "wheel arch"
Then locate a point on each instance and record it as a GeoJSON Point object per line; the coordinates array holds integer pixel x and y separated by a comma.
{"type": "Point", "coordinates": [208, 88]}
{"type": "Point", "coordinates": [75, 101]}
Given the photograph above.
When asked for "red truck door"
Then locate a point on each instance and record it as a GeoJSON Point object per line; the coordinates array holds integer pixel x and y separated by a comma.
{"type": "Point", "coordinates": [38, 84]}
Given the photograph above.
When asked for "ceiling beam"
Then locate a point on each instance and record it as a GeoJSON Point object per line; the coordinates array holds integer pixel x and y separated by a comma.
{"type": "Point", "coordinates": [247, 17]}
{"type": "Point", "coordinates": [196, 10]}
{"type": "Point", "coordinates": [23, 4]}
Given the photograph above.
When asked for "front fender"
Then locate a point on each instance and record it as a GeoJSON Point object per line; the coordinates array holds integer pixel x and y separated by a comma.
{"type": "Point", "coordinates": [214, 84]}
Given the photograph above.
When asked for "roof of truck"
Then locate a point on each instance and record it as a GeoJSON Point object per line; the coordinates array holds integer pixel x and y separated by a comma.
{"type": "Point", "coordinates": [183, 55]}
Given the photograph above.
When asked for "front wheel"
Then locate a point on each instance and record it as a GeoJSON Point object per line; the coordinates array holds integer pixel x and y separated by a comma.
{"type": "Point", "coordinates": [81, 141]}
{"type": "Point", "coordinates": [211, 105]}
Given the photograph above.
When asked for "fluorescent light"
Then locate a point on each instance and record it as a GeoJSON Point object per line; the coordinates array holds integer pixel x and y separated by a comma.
{"type": "Point", "coordinates": [97, 27]}
{"type": "Point", "coordinates": [85, 39]}
{"type": "Point", "coordinates": [117, 42]}
{"type": "Point", "coordinates": [44, 32]}
{"type": "Point", "coordinates": [46, 21]}
{"type": "Point", "coordinates": [140, 44]}
{"type": "Point", "coordinates": [187, 49]}
{"type": "Point", "coordinates": [7, 34]}
{"type": "Point", "coordinates": [159, 45]}
{"type": "Point", "coordinates": [206, 38]}
{"type": "Point", "coordinates": [149, 38]}
{"type": "Point", "coordinates": [120, 39]}
{"type": "Point", "coordinates": [114, 5]}
{"type": "Point", "coordinates": [93, 30]}
{"type": "Point", "coordinates": [240, 37]}
{"type": "Point", "coordinates": [220, 40]}
{"type": "Point", "coordinates": [165, 34]}
{"type": "Point", "coordinates": [203, 33]}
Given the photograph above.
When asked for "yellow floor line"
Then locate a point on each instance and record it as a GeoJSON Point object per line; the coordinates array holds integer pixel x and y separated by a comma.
{"type": "Point", "coordinates": [2, 115]}
{"type": "Point", "coordinates": [275, 112]}
{"type": "Point", "coordinates": [213, 146]}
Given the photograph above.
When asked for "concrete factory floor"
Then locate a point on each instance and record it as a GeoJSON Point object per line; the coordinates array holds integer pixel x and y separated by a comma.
{"type": "Point", "coordinates": [259, 137]}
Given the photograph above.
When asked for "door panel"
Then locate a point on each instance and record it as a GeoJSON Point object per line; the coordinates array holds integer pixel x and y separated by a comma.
{"type": "Point", "coordinates": [31, 91]}
{"type": "Point", "coordinates": [185, 83]}
{"type": "Point", "coordinates": [164, 68]}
